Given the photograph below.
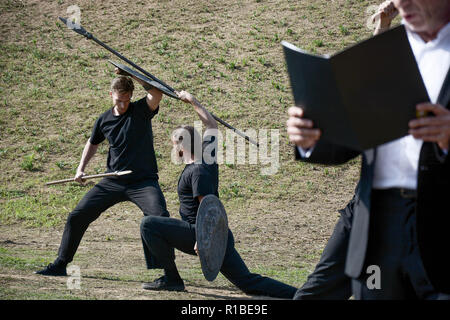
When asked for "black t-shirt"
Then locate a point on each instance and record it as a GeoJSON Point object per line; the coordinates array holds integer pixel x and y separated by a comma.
{"type": "Point", "coordinates": [198, 179]}
{"type": "Point", "coordinates": [130, 140]}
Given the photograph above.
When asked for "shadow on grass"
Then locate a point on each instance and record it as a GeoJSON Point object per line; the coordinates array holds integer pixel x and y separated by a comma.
{"type": "Point", "coordinates": [198, 288]}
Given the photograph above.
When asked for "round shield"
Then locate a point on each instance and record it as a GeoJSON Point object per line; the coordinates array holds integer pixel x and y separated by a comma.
{"type": "Point", "coordinates": [212, 235]}
{"type": "Point", "coordinates": [144, 78]}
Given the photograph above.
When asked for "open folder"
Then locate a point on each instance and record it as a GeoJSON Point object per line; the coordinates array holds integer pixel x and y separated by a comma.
{"type": "Point", "coordinates": [363, 96]}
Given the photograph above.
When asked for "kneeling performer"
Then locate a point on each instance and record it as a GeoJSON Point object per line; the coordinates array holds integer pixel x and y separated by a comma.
{"type": "Point", "coordinates": [200, 177]}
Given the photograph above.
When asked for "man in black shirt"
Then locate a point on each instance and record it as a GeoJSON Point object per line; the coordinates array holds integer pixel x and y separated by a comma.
{"type": "Point", "coordinates": [127, 127]}
{"type": "Point", "coordinates": [199, 178]}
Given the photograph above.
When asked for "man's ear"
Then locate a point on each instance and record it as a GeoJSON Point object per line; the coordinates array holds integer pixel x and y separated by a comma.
{"type": "Point", "coordinates": [110, 93]}
{"type": "Point", "coordinates": [131, 95]}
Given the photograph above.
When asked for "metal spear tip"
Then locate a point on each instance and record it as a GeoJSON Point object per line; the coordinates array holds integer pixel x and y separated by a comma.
{"type": "Point", "coordinates": [121, 173]}
{"type": "Point", "coordinates": [70, 24]}
{"type": "Point", "coordinates": [76, 27]}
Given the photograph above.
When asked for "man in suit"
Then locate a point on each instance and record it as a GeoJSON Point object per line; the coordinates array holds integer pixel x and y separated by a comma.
{"type": "Point", "coordinates": [329, 281]}
{"type": "Point", "coordinates": [400, 217]}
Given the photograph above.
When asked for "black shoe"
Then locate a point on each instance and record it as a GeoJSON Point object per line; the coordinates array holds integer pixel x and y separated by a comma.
{"type": "Point", "coordinates": [164, 283]}
{"type": "Point", "coordinates": [52, 270]}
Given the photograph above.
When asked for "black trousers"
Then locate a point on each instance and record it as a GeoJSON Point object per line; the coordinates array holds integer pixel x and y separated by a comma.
{"type": "Point", "coordinates": [146, 194]}
{"type": "Point", "coordinates": [328, 281]}
{"type": "Point", "coordinates": [161, 235]}
{"type": "Point", "coordinates": [393, 249]}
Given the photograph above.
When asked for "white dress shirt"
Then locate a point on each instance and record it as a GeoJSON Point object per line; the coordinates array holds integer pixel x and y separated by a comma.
{"type": "Point", "coordinates": [397, 161]}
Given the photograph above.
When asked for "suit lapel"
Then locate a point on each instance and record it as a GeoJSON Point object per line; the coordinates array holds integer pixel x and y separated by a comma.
{"type": "Point", "coordinates": [444, 100]}
{"type": "Point", "coordinates": [444, 94]}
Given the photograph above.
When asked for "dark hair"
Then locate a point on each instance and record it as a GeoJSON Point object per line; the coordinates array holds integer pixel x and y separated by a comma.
{"type": "Point", "coordinates": [122, 84]}
{"type": "Point", "coordinates": [188, 137]}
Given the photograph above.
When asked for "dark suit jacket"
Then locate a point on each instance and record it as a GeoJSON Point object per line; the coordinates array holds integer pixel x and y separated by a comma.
{"type": "Point", "coordinates": [432, 208]}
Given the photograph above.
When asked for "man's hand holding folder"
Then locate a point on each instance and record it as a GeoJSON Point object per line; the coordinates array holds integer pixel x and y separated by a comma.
{"type": "Point", "coordinates": [436, 129]}
{"type": "Point", "coordinates": [300, 130]}
{"type": "Point", "coordinates": [432, 129]}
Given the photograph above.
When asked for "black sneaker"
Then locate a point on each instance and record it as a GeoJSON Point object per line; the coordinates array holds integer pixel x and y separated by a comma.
{"type": "Point", "coordinates": [52, 270]}
{"type": "Point", "coordinates": [164, 283]}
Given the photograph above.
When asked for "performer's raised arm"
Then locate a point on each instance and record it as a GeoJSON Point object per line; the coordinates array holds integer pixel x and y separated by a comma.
{"type": "Point", "coordinates": [154, 95]}
{"type": "Point", "coordinates": [203, 114]}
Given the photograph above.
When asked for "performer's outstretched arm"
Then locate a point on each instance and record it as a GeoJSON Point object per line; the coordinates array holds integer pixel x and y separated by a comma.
{"type": "Point", "coordinates": [203, 114]}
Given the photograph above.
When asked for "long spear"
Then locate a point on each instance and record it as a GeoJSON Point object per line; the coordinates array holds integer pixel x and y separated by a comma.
{"type": "Point", "coordinates": [169, 90]}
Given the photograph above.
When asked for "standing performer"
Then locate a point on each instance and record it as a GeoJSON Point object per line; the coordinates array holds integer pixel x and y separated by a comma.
{"type": "Point", "coordinates": [199, 178]}
{"type": "Point", "coordinates": [128, 129]}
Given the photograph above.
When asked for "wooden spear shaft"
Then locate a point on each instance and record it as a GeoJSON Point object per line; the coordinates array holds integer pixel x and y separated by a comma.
{"type": "Point", "coordinates": [101, 175]}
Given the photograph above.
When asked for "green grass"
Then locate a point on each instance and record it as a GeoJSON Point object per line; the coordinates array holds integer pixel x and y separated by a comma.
{"type": "Point", "coordinates": [39, 210]}
{"type": "Point", "coordinates": [19, 294]}
{"type": "Point", "coordinates": [295, 276]}
{"type": "Point", "coordinates": [9, 259]}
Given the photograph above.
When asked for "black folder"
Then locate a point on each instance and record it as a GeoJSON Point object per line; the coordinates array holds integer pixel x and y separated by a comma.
{"type": "Point", "coordinates": [363, 96]}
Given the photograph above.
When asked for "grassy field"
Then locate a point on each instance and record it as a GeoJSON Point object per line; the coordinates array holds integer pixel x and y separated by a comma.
{"type": "Point", "coordinates": [54, 84]}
